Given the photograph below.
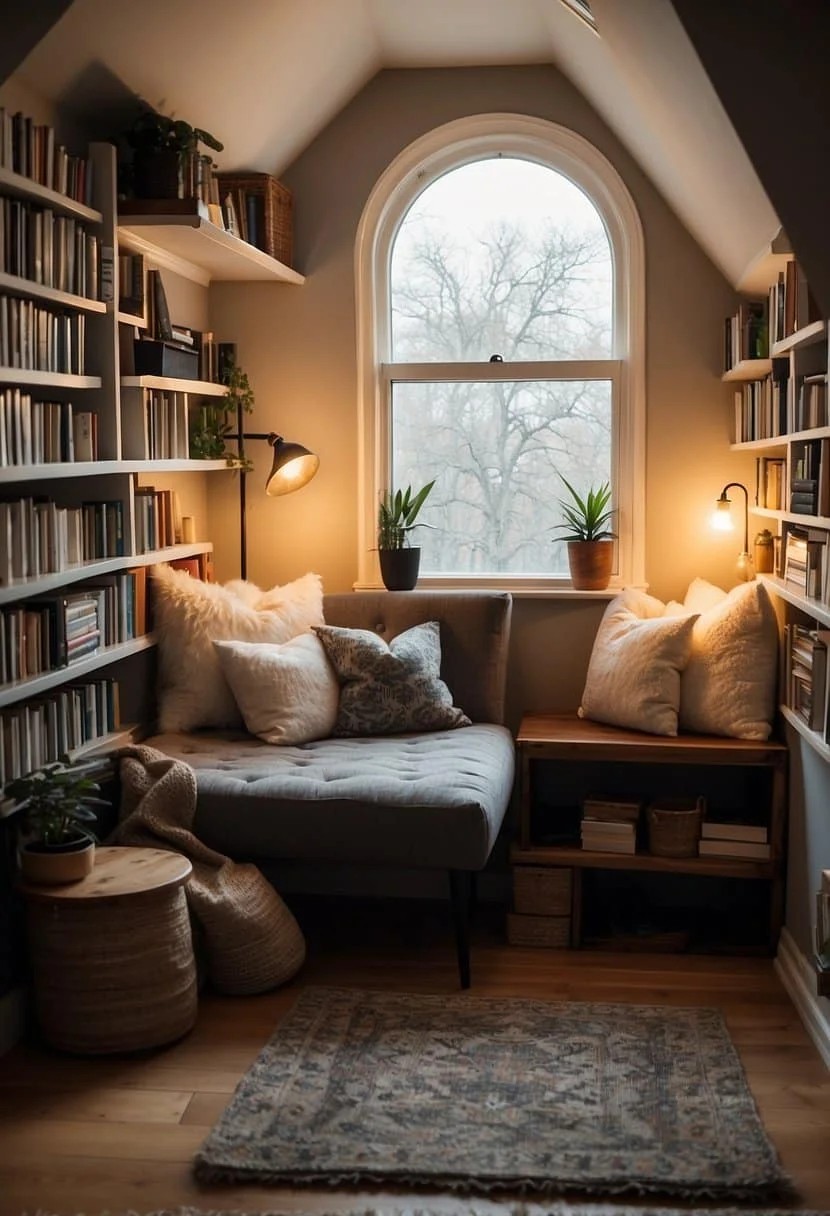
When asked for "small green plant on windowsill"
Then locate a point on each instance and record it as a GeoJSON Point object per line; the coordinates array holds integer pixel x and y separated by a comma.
{"type": "Point", "coordinates": [398, 515]}
{"type": "Point", "coordinates": [589, 537]}
{"type": "Point", "coordinates": [215, 423]}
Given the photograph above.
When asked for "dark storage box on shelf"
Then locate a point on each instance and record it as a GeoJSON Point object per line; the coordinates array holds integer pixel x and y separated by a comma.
{"type": "Point", "coordinates": [674, 826]}
{"type": "Point", "coordinates": [272, 207]}
{"type": "Point", "coordinates": [155, 358]}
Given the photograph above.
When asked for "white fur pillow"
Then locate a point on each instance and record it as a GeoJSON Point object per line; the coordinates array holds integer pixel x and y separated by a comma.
{"type": "Point", "coordinates": [286, 694]}
{"type": "Point", "coordinates": [728, 687]}
{"type": "Point", "coordinates": [634, 673]}
{"type": "Point", "coordinates": [190, 615]}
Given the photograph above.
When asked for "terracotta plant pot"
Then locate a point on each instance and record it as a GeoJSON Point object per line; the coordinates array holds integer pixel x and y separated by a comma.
{"type": "Point", "coordinates": [51, 865]}
{"type": "Point", "coordinates": [399, 568]}
{"type": "Point", "coordinates": [591, 563]}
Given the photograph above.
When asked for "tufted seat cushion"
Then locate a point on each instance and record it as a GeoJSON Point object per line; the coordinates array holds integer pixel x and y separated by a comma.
{"type": "Point", "coordinates": [434, 800]}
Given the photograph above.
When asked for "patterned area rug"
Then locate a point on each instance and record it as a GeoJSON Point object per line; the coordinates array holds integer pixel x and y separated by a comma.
{"type": "Point", "coordinates": [476, 1094]}
{"type": "Point", "coordinates": [556, 1209]}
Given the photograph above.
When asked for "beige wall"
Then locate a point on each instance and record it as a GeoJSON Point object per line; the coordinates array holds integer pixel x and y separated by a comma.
{"type": "Point", "coordinates": [298, 346]}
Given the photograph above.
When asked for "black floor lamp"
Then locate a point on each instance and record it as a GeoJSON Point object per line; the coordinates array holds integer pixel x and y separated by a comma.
{"type": "Point", "coordinates": [292, 468]}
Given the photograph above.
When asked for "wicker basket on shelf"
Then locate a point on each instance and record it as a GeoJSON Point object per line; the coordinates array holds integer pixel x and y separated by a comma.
{"type": "Point", "coordinates": [674, 826]}
{"type": "Point", "coordinates": [274, 204]}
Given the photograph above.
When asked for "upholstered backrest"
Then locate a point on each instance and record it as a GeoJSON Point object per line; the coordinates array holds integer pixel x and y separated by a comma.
{"type": "Point", "coordinates": [475, 632]}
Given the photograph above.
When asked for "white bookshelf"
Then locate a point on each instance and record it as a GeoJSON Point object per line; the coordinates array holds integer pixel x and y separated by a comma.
{"type": "Point", "coordinates": [202, 250]}
{"type": "Point", "coordinates": [36, 686]}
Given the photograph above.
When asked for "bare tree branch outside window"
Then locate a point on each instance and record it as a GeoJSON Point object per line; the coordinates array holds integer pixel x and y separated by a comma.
{"type": "Point", "coordinates": [528, 287]}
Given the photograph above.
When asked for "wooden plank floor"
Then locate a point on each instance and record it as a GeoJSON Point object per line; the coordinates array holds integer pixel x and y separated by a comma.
{"type": "Point", "coordinates": [112, 1134]}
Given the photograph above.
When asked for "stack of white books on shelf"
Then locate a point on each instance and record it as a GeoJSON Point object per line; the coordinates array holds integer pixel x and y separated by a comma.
{"type": "Point", "coordinates": [734, 839]}
{"type": "Point", "coordinates": [609, 825]}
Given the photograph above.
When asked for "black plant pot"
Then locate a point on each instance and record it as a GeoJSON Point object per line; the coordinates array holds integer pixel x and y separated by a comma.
{"type": "Point", "coordinates": [399, 568]}
{"type": "Point", "coordinates": [156, 173]}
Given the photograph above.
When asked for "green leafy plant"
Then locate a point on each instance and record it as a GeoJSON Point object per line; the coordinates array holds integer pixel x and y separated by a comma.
{"type": "Point", "coordinates": [398, 515]}
{"type": "Point", "coordinates": [57, 801]}
{"type": "Point", "coordinates": [587, 518]}
{"type": "Point", "coordinates": [215, 422]}
{"type": "Point", "coordinates": [152, 131]}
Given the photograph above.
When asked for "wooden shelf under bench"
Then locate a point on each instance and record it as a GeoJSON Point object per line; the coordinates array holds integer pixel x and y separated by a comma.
{"type": "Point", "coordinates": [569, 740]}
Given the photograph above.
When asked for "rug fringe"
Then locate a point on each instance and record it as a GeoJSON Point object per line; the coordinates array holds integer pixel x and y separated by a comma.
{"type": "Point", "coordinates": [779, 1188]}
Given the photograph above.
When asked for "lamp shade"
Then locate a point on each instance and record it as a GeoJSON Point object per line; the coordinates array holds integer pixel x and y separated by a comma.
{"type": "Point", "coordinates": [293, 467]}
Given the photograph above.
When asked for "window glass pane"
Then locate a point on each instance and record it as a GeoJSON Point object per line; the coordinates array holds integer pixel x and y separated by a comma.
{"type": "Point", "coordinates": [502, 256]}
{"type": "Point", "coordinates": [494, 450]}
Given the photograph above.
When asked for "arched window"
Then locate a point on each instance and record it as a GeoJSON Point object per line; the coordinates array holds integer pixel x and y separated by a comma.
{"type": "Point", "coordinates": [500, 326]}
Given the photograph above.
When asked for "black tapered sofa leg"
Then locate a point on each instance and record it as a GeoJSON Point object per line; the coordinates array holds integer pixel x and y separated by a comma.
{"type": "Point", "coordinates": [461, 885]}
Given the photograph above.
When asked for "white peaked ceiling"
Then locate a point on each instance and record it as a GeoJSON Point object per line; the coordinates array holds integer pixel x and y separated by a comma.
{"type": "Point", "coordinates": [266, 76]}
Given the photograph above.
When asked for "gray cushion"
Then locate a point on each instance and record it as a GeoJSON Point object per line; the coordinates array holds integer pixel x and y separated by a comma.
{"type": "Point", "coordinates": [475, 630]}
{"type": "Point", "coordinates": [433, 800]}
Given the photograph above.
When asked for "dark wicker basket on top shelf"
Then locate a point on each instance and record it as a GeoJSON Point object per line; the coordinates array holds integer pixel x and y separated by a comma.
{"type": "Point", "coordinates": [674, 826]}
{"type": "Point", "coordinates": [273, 202]}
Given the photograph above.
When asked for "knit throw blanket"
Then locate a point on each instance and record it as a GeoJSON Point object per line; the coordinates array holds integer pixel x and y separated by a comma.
{"type": "Point", "coordinates": [251, 941]}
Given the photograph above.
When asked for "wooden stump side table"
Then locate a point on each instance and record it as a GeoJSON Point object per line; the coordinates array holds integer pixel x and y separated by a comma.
{"type": "Point", "coordinates": [112, 955]}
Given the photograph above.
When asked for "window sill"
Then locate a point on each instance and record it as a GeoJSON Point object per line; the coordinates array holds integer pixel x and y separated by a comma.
{"type": "Point", "coordinates": [550, 591]}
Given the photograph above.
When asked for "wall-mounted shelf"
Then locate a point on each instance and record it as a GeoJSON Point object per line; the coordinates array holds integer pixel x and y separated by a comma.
{"type": "Point", "coordinates": [208, 250]}
{"type": "Point", "coordinates": [17, 186]}
{"type": "Point", "coordinates": [26, 588]}
{"type": "Point", "coordinates": [198, 388]}
{"type": "Point", "coordinates": [39, 291]}
{"type": "Point", "coordinates": [31, 379]}
{"type": "Point", "coordinates": [748, 369]}
{"type": "Point", "coordinates": [37, 685]}
{"type": "Point", "coordinates": [813, 738]}
{"type": "Point", "coordinates": [808, 336]}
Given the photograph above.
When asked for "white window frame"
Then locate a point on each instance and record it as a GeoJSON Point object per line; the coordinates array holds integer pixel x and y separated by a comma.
{"type": "Point", "coordinates": [449, 147]}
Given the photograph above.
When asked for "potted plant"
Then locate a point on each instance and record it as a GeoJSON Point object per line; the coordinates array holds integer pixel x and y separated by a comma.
{"type": "Point", "coordinates": [163, 150]}
{"type": "Point", "coordinates": [590, 540]}
{"type": "Point", "coordinates": [218, 420]}
{"type": "Point", "coordinates": [397, 516]}
{"type": "Point", "coordinates": [56, 804]}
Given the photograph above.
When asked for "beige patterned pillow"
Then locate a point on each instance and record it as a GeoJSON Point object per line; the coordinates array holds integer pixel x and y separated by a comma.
{"type": "Point", "coordinates": [634, 673]}
{"type": "Point", "coordinates": [388, 690]}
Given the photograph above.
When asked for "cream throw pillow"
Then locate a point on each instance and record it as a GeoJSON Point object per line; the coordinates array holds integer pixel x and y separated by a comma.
{"type": "Point", "coordinates": [728, 687]}
{"type": "Point", "coordinates": [191, 615]}
{"type": "Point", "coordinates": [634, 673]}
{"type": "Point", "coordinates": [286, 694]}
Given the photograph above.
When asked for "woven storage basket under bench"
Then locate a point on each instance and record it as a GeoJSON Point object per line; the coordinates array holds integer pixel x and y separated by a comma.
{"type": "Point", "coordinates": [542, 898]}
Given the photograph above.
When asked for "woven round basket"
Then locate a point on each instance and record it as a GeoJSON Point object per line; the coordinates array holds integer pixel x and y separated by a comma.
{"type": "Point", "coordinates": [674, 827]}
{"type": "Point", "coordinates": [252, 940]}
{"type": "Point", "coordinates": [117, 977]}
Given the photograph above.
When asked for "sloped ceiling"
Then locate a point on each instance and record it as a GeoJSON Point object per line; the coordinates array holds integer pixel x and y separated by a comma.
{"type": "Point", "coordinates": [265, 76]}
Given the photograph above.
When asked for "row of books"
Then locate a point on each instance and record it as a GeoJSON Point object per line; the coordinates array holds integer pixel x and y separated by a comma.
{"type": "Point", "coordinates": [790, 305]}
{"type": "Point", "coordinates": [131, 278]}
{"type": "Point", "coordinates": [806, 568]}
{"type": "Point", "coordinates": [38, 338]}
{"type": "Point", "coordinates": [609, 825]}
{"type": "Point", "coordinates": [39, 537]}
{"type": "Point", "coordinates": [56, 630]}
{"type": "Point", "coordinates": [43, 731]}
{"type": "Point", "coordinates": [780, 405]}
{"type": "Point", "coordinates": [31, 149]}
{"type": "Point", "coordinates": [44, 432]}
{"type": "Point", "coordinates": [746, 334]}
{"type": "Point", "coordinates": [770, 482]}
{"type": "Point", "coordinates": [809, 488]}
{"type": "Point", "coordinates": [805, 676]}
{"type": "Point", "coordinates": [158, 520]}
{"type": "Point", "coordinates": [165, 425]}
{"type": "Point", "coordinates": [53, 250]}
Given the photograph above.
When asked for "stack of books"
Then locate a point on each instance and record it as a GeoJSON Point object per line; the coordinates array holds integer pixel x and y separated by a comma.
{"type": "Point", "coordinates": [609, 825]}
{"type": "Point", "coordinates": [737, 838]}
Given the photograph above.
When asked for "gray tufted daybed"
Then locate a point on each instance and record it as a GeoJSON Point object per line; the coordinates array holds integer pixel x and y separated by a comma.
{"type": "Point", "coordinates": [434, 800]}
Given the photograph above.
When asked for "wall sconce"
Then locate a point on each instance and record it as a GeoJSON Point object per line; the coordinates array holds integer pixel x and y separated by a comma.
{"type": "Point", "coordinates": [722, 522]}
{"type": "Point", "coordinates": [293, 467]}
